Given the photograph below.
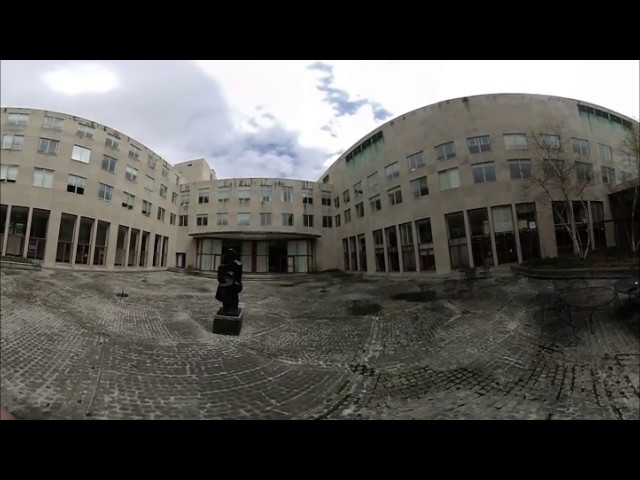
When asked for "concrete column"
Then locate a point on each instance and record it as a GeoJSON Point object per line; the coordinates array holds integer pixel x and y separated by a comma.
{"type": "Point", "coordinates": [416, 247]}
{"type": "Point", "coordinates": [440, 243]}
{"type": "Point", "coordinates": [467, 232]}
{"type": "Point", "coordinates": [5, 239]}
{"type": "Point", "coordinates": [138, 247]}
{"type": "Point", "coordinates": [127, 240]}
{"type": "Point", "coordinates": [94, 234]}
{"type": "Point", "coordinates": [76, 233]}
{"type": "Point", "coordinates": [516, 231]}
{"type": "Point", "coordinates": [592, 237]}
{"type": "Point", "coordinates": [492, 236]}
{"type": "Point", "coordinates": [152, 239]}
{"type": "Point", "coordinates": [53, 232]}
{"type": "Point", "coordinates": [112, 246]}
{"type": "Point", "coordinates": [27, 233]}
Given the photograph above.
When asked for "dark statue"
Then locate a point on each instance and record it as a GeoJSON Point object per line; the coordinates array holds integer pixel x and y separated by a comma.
{"type": "Point", "coordinates": [229, 282]}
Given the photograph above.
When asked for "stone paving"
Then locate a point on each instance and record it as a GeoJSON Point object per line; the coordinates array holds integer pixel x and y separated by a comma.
{"type": "Point", "coordinates": [72, 349]}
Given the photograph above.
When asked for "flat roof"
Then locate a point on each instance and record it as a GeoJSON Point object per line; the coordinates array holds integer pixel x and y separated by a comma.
{"type": "Point", "coordinates": [236, 235]}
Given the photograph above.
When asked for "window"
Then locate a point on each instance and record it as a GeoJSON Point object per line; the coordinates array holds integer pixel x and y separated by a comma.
{"type": "Point", "coordinates": [76, 184]}
{"type": "Point", "coordinates": [146, 207]}
{"type": "Point", "coordinates": [345, 196]}
{"type": "Point", "coordinates": [287, 219]}
{"type": "Point", "coordinates": [372, 181]}
{"type": "Point", "coordinates": [105, 192]}
{"type": "Point", "coordinates": [18, 119]}
{"type": "Point", "coordinates": [326, 199]}
{"type": "Point", "coordinates": [223, 194]}
{"type": "Point", "coordinates": [449, 179]}
{"type": "Point", "coordinates": [244, 194]}
{"type": "Point", "coordinates": [151, 161]}
{"type": "Point", "coordinates": [163, 191]}
{"type": "Point", "coordinates": [415, 161]}
{"type": "Point", "coordinates": [550, 141]}
{"type": "Point", "coordinates": [134, 152]}
{"type": "Point", "coordinates": [109, 163]}
{"type": "Point", "coordinates": [8, 173]}
{"type": "Point", "coordinates": [605, 153]}
{"type": "Point", "coordinates": [378, 245]}
{"type": "Point", "coordinates": [202, 220]}
{"type": "Point", "coordinates": [165, 171]}
{"type": "Point", "coordinates": [161, 214]}
{"type": "Point", "coordinates": [287, 194]}
{"type": "Point", "coordinates": [244, 219]}
{"type": "Point", "coordinates": [12, 142]}
{"type": "Point", "coordinates": [479, 144]}
{"type": "Point", "coordinates": [172, 219]}
{"type": "Point", "coordinates": [112, 141]}
{"type": "Point", "coordinates": [580, 146]}
{"type": "Point", "coordinates": [265, 219]}
{"type": "Point", "coordinates": [347, 215]}
{"type": "Point", "coordinates": [624, 176]}
{"type": "Point", "coordinates": [307, 220]}
{"type": "Point", "coordinates": [584, 171]}
{"type": "Point", "coordinates": [484, 172]}
{"type": "Point", "coordinates": [375, 203]}
{"type": "Point", "coordinates": [131, 174]}
{"type": "Point", "coordinates": [608, 175]}
{"type": "Point", "coordinates": [203, 195]}
{"type": "Point", "coordinates": [392, 171]}
{"type": "Point", "coordinates": [185, 197]}
{"type": "Point", "coordinates": [80, 154]}
{"type": "Point", "coordinates": [337, 220]}
{"type": "Point", "coordinates": [357, 190]}
{"type": "Point", "coordinates": [553, 168]}
{"type": "Point", "coordinates": [520, 168]}
{"type": "Point", "coordinates": [445, 151]}
{"type": "Point", "coordinates": [174, 197]}
{"type": "Point", "coordinates": [128, 200]}
{"type": "Point", "coordinates": [419, 187]}
{"type": "Point", "coordinates": [42, 177]}
{"type": "Point", "coordinates": [85, 131]}
{"type": "Point", "coordinates": [327, 221]}
{"type": "Point", "coordinates": [183, 221]}
{"type": "Point", "coordinates": [307, 196]}
{"type": "Point", "coordinates": [148, 182]}
{"type": "Point", "coordinates": [408, 249]}
{"type": "Point", "coordinates": [266, 193]}
{"type": "Point", "coordinates": [325, 179]}
{"type": "Point", "coordinates": [54, 123]}
{"type": "Point", "coordinates": [360, 210]}
{"type": "Point", "coordinates": [395, 195]}
{"type": "Point", "coordinates": [48, 146]}
{"type": "Point", "coordinates": [336, 202]}
{"type": "Point", "coordinates": [515, 141]}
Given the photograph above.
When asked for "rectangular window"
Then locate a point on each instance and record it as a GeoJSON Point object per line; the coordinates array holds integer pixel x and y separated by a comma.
{"type": "Point", "coordinates": [165, 171]}
{"type": "Point", "coordinates": [479, 144]}
{"type": "Point", "coordinates": [419, 187]}
{"type": "Point", "coordinates": [360, 210]}
{"type": "Point", "coordinates": [378, 245]}
{"type": "Point", "coordinates": [415, 161]}
{"type": "Point", "coordinates": [8, 173]}
{"type": "Point", "coordinates": [265, 219]}
{"type": "Point", "coordinates": [134, 152]}
{"type": "Point", "coordinates": [76, 184]}
{"type": "Point", "coordinates": [550, 141]}
{"type": "Point", "coordinates": [131, 174]}
{"type": "Point", "coordinates": [520, 168]}
{"type": "Point", "coordinates": [172, 219]}
{"type": "Point", "coordinates": [392, 171]}
{"type": "Point", "coordinates": [347, 215]}
{"type": "Point", "coordinates": [484, 172]}
{"type": "Point", "coordinates": [375, 203]}
{"type": "Point", "coordinates": [445, 151]}
{"type": "Point", "coordinates": [80, 154]}
{"type": "Point", "coordinates": [151, 161]}
{"type": "Point", "coordinates": [105, 192]}
{"type": "Point", "coordinates": [326, 199]}
{"type": "Point", "coordinates": [307, 220]}
{"type": "Point", "coordinates": [223, 194]}
{"type": "Point", "coordinates": [357, 190]}
{"type": "Point", "coordinates": [307, 196]}
{"type": "Point", "coordinates": [146, 207]}
{"type": "Point", "coordinates": [425, 245]}
{"type": "Point", "coordinates": [112, 141]}
{"type": "Point", "coordinates": [128, 200]}
{"type": "Point", "coordinates": [48, 146]}
{"type": "Point", "coordinates": [42, 177]}
{"type": "Point", "coordinates": [244, 219]}
{"type": "Point", "coordinates": [336, 202]}
{"type": "Point", "coordinates": [203, 195]}
{"type": "Point", "coordinates": [109, 163]}
{"type": "Point", "coordinates": [244, 194]}
{"type": "Point", "coordinates": [515, 141]}
{"type": "Point", "coordinates": [584, 171]}
{"type": "Point", "coordinates": [553, 168]}
{"type": "Point", "coordinates": [395, 195]}
{"type": "Point", "coordinates": [161, 212]}
{"type": "Point", "coordinates": [202, 220]}
{"type": "Point", "coordinates": [327, 221]}
{"type": "Point", "coordinates": [54, 123]}
{"type": "Point", "coordinates": [608, 175]}
{"type": "Point", "coordinates": [18, 119]}
{"type": "Point", "coordinates": [85, 131]}
{"type": "Point", "coordinates": [408, 249]}
{"type": "Point", "coordinates": [346, 197]}
{"type": "Point", "coordinates": [337, 219]}
{"type": "Point", "coordinates": [12, 142]}
{"type": "Point", "coordinates": [605, 153]}
{"type": "Point", "coordinates": [287, 194]}
{"type": "Point", "coordinates": [287, 219]}
{"type": "Point", "coordinates": [449, 179]}
{"type": "Point", "coordinates": [174, 197]}
{"type": "Point", "coordinates": [372, 181]}
{"type": "Point", "coordinates": [163, 191]}
{"type": "Point", "coordinates": [183, 221]}
{"type": "Point", "coordinates": [148, 183]}
{"type": "Point", "coordinates": [580, 146]}
{"type": "Point", "coordinates": [266, 193]}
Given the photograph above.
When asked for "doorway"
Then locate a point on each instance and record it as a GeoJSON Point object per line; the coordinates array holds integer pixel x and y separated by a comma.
{"type": "Point", "coordinates": [278, 256]}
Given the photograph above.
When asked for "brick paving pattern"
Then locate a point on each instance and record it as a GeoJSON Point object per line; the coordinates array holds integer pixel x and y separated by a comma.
{"type": "Point", "coordinates": [72, 349]}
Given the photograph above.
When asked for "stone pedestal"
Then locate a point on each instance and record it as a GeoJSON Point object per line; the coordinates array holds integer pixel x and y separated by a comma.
{"type": "Point", "coordinates": [225, 324]}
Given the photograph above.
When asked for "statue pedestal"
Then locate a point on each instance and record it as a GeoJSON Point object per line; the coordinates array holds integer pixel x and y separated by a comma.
{"type": "Point", "coordinates": [226, 324]}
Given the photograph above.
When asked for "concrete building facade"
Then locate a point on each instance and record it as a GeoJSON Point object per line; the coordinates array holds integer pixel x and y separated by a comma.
{"type": "Point", "coordinates": [436, 189]}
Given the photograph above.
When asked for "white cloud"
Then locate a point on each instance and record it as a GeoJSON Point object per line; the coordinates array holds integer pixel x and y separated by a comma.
{"type": "Point", "coordinates": [82, 78]}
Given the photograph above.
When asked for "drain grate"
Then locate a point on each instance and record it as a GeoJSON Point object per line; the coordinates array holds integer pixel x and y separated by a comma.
{"type": "Point", "coordinates": [363, 370]}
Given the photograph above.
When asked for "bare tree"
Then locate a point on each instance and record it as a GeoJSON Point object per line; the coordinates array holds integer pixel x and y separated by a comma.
{"type": "Point", "coordinates": [559, 179]}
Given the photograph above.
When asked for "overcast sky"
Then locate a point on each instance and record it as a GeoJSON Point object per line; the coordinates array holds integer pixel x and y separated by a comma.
{"type": "Point", "coordinates": [287, 118]}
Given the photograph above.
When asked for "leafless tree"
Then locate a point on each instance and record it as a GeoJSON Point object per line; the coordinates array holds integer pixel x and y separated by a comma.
{"type": "Point", "coordinates": [558, 179]}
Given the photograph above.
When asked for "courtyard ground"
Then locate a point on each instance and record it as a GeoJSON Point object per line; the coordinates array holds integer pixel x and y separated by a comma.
{"type": "Point", "coordinates": [318, 346]}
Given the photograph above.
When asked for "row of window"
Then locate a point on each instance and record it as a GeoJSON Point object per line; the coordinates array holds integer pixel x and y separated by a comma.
{"type": "Point", "coordinates": [244, 220]}
{"type": "Point", "coordinates": [244, 195]}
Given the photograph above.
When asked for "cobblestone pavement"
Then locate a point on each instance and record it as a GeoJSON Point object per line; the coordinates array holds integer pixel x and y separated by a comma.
{"type": "Point", "coordinates": [71, 349]}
